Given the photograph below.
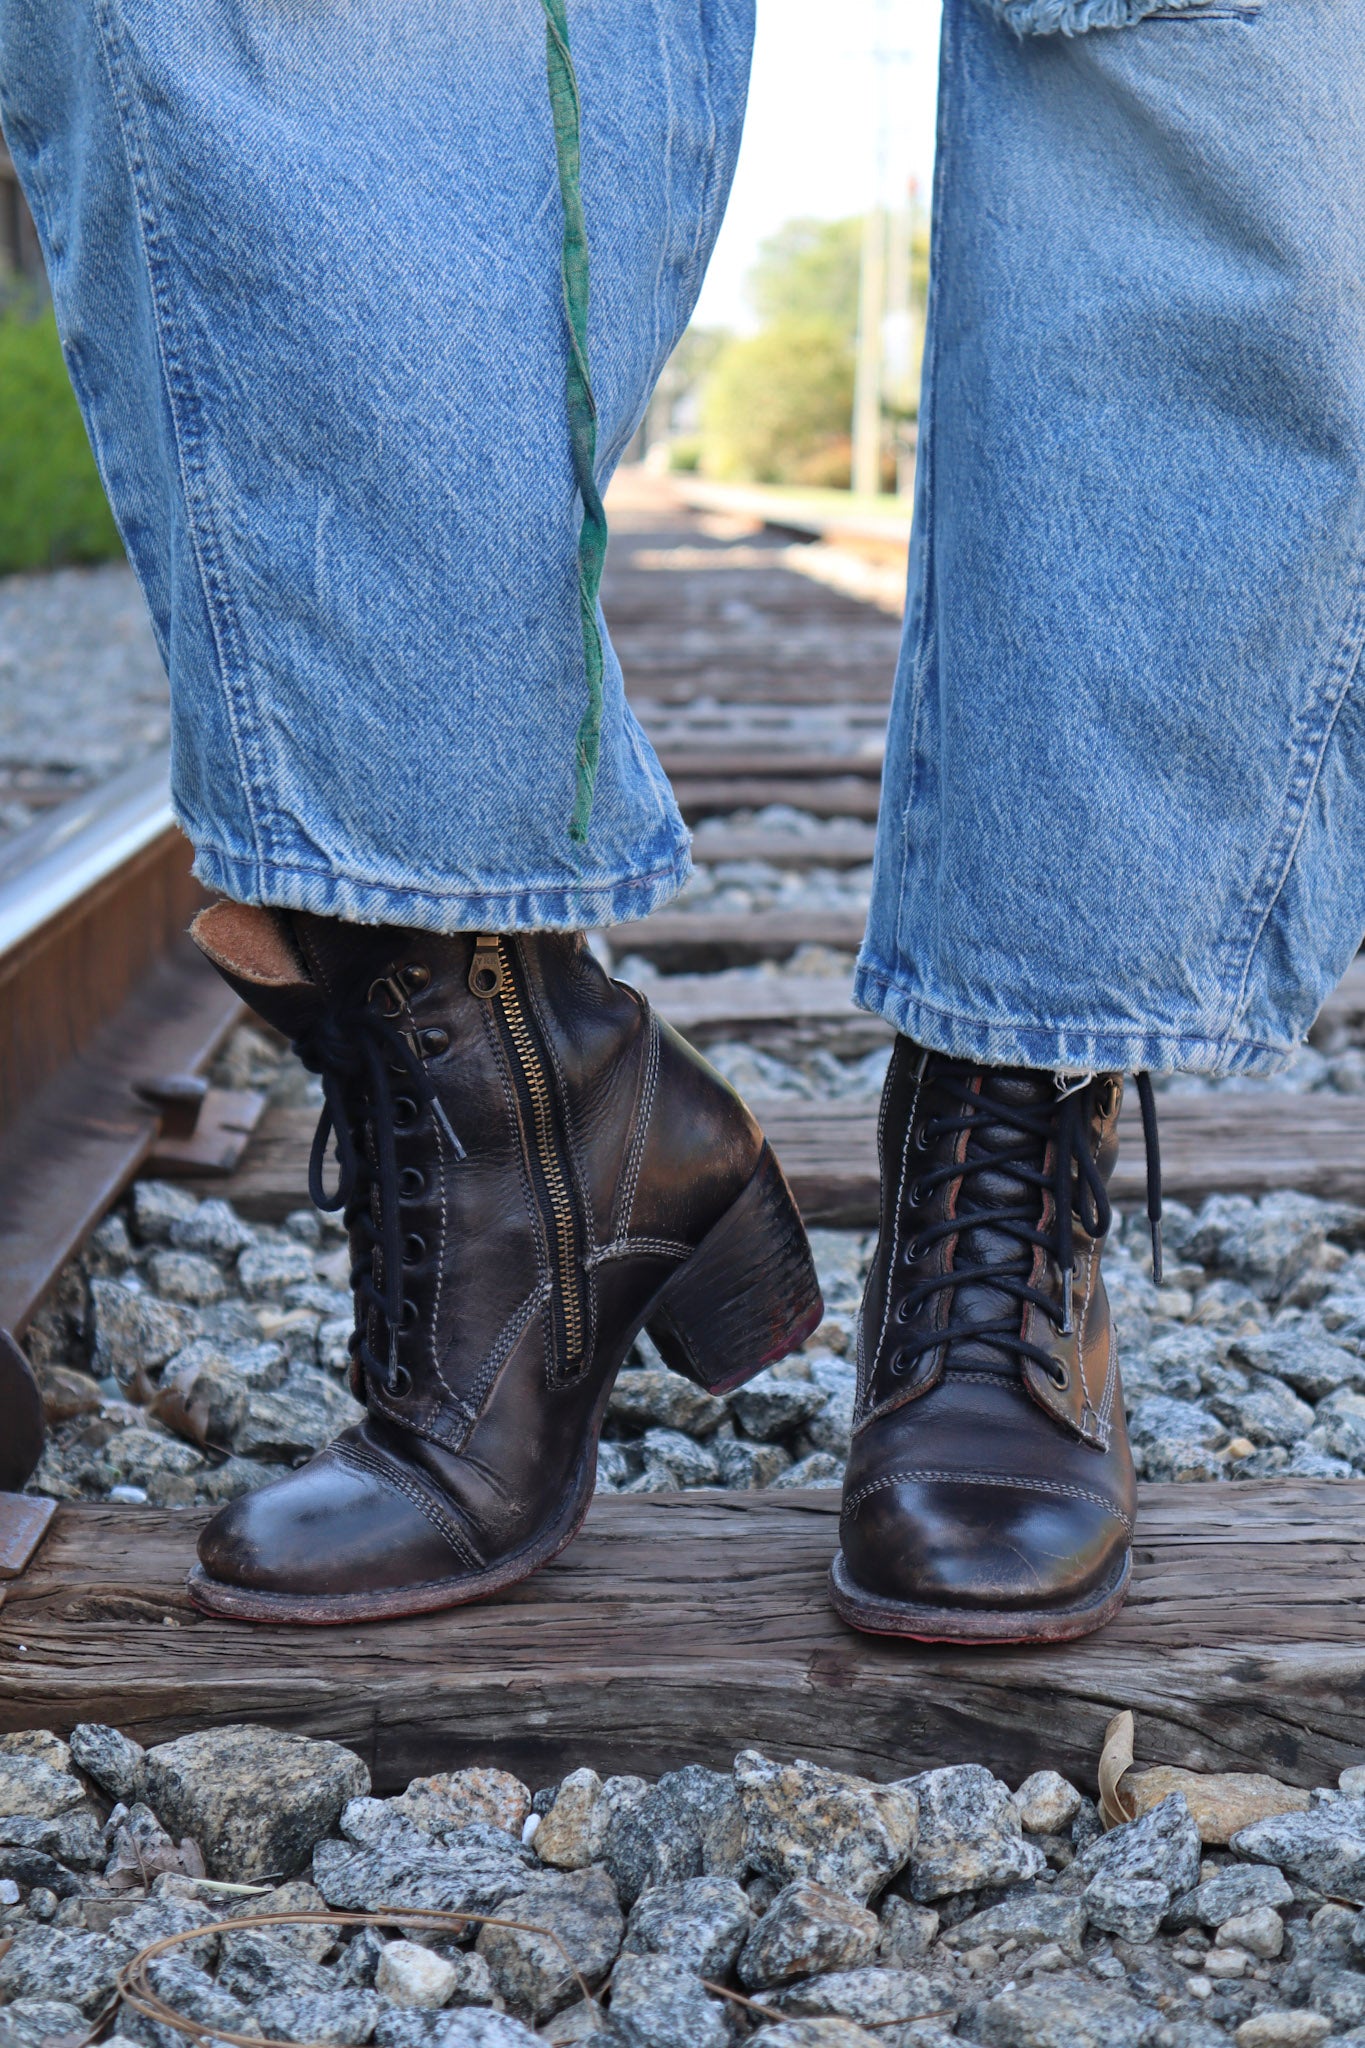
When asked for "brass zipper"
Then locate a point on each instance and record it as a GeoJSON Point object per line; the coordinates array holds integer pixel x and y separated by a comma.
{"type": "Point", "coordinates": [491, 978]}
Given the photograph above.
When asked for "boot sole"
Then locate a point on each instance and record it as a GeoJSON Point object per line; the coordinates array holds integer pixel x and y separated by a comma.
{"type": "Point", "coordinates": [747, 1296]}
{"type": "Point", "coordinates": [925, 1623]}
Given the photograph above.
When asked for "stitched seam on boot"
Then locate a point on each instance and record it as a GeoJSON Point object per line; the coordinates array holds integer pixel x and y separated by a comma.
{"type": "Point", "coordinates": [644, 1110]}
{"type": "Point", "coordinates": [1103, 1427]}
{"type": "Point", "coordinates": [627, 1247]}
{"type": "Point", "coordinates": [1056, 1486]}
{"type": "Point", "coordinates": [511, 1334]}
{"type": "Point", "coordinates": [467, 1406]}
{"type": "Point", "coordinates": [1110, 1381]}
{"type": "Point", "coordinates": [380, 1469]}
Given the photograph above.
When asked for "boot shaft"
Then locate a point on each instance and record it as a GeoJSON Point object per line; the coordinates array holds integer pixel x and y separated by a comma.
{"type": "Point", "coordinates": [508, 1120]}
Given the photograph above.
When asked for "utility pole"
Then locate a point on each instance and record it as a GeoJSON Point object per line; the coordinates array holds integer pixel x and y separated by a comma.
{"type": "Point", "coordinates": [867, 385]}
{"type": "Point", "coordinates": [867, 382]}
{"type": "Point", "coordinates": [898, 348]}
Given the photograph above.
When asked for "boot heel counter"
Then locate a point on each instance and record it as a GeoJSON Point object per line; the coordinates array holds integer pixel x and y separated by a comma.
{"type": "Point", "coordinates": [697, 1145]}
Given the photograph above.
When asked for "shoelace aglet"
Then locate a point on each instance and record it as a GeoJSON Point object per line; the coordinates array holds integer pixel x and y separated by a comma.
{"type": "Point", "coordinates": [1157, 1263]}
{"type": "Point", "coordinates": [444, 1121]}
{"type": "Point", "coordinates": [1066, 1301]}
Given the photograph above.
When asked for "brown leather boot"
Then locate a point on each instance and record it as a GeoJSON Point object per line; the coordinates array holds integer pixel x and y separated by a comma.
{"type": "Point", "coordinates": [990, 1492]}
{"type": "Point", "coordinates": [533, 1168]}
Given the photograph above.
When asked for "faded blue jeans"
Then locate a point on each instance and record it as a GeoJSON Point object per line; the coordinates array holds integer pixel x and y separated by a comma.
{"type": "Point", "coordinates": [1123, 821]}
{"type": "Point", "coordinates": [306, 264]}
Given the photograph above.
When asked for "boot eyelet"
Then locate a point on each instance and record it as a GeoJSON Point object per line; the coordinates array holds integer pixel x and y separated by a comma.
{"type": "Point", "coordinates": [416, 977]}
{"type": "Point", "coordinates": [399, 1384]}
{"type": "Point", "coordinates": [414, 1249]}
{"type": "Point", "coordinates": [1060, 1376]}
{"type": "Point", "coordinates": [434, 1042]}
{"type": "Point", "coordinates": [914, 1195]}
{"type": "Point", "coordinates": [914, 1250]}
{"type": "Point", "coordinates": [404, 1112]}
{"type": "Point", "coordinates": [921, 1141]}
{"type": "Point", "coordinates": [411, 1184]}
{"type": "Point", "coordinates": [902, 1311]}
{"type": "Point", "coordinates": [407, 1315]}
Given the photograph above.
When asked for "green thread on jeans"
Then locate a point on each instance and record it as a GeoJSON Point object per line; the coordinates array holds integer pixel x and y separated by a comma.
{"type": "Point", "coordinates": [592, 534]}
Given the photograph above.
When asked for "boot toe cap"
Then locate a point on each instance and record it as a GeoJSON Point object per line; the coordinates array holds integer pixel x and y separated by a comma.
{"type": "Point", "coordinates": [325, 1529]}
{"type": "Point", "coordinates": [982, 1543]}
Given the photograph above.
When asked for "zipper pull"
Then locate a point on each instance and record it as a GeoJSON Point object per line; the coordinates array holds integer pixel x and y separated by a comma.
{"type": "Point", "coordinates": [487, 972]}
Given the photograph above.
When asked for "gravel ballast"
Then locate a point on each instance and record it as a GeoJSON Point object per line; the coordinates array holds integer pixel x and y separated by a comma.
{"type": "Point", "coordinates": [945, 1907]}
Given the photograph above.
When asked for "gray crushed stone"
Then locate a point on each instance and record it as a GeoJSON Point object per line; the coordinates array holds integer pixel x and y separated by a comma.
{"type": "Point", "coordinates": [805, 1897]}
{"type": "Point", "coordinates": [83, 694]}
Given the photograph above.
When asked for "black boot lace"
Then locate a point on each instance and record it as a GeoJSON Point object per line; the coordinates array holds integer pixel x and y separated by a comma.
{"type": "Point", "coordinates": [1075, 1185]}
{"type": "Point", "coordinates": [359, 1051]}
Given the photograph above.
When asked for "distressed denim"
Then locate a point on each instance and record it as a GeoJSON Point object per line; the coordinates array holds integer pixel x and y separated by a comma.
{"type": "Point", "coordinates": [1123, 816]}
{"type": "Point", "coordinates": [306, 265]}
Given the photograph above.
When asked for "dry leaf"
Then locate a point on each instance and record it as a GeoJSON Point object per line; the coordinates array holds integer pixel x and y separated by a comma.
{"type": "Point", "coordinates": [142, 1850]}
{"type": "Point", "coordinates": [1116, 1758]}
{"type": "Point", "coordinates": [187, 1419]}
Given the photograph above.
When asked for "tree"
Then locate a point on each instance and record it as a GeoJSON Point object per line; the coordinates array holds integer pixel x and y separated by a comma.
{"type": "Point", "coordinates": [777, 406]}
{"type": "Point", "coordinates": [808, 270]}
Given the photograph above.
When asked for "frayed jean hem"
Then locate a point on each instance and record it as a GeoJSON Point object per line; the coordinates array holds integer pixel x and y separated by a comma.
{"type": "Point", "coordinates": [1078, 17]}
{"type": "Point", "coordinates": [1097, 1046]}
{"type": "Point", "coordinates": [615, 900]}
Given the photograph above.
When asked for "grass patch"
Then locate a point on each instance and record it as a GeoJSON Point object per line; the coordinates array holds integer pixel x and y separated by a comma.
{"type": "Point", "coordinates": [52, 504]}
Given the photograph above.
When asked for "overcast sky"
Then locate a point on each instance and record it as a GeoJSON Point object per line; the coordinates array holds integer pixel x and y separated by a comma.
{"type": "Point", "coordinates": [811, 139]}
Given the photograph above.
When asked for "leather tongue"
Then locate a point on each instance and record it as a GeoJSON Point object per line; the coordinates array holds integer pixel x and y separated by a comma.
{"type": "Point", "coordinates": [982, 1243]}
{"type": "Point", "coordinates": [254, 950]}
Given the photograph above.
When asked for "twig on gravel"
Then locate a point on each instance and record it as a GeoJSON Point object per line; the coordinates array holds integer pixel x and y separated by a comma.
{"type": "Point", "coordinates": [134, 1990]}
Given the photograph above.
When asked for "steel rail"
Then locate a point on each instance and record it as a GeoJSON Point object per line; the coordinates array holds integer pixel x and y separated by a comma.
{"type": "Point", "coordinates": [105, 1008]}
{"type": "Point", "coordinates": [48, 867]}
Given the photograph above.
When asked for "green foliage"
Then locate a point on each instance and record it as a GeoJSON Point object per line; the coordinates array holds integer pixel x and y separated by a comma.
{"type": "Point", "coordinates": [52, 504]}
{"type": "Point", "coordinates": [777, 406]}
{"type": "Point", "coordinates": [808, 270]}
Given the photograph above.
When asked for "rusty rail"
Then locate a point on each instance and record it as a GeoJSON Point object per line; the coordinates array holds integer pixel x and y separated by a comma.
{"type": "Point", "coordinates": [108, 1011]}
